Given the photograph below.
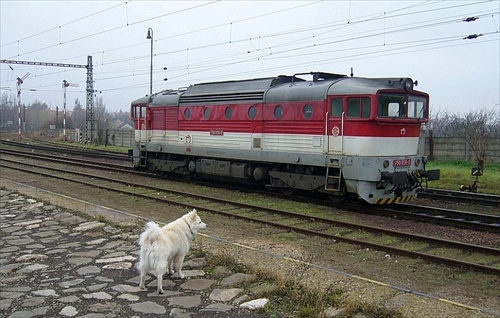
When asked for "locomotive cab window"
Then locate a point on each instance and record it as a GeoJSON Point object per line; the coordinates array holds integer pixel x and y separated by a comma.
{"type": "Point", "coordinates": [392, 105]}
{"type": "Point", "coordinates": [337, 108]}
{"type": "Point", "coordinates": [417, 107]}
{"type": "Point", "coordinates": [187, 113]}
{"type": "Point", "coordinates": [402, 106]}
{"type": "Point", "coordinates": [358, 107]}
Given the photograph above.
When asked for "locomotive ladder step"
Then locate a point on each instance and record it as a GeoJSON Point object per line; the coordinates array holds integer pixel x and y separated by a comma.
{"type": "Point", "coordinates": [142, 158]}
{"type": "Point", "coordinates": [333, 178]}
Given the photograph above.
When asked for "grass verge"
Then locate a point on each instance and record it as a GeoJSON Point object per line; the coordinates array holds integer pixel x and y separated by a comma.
{"type": "Point", "coordinates": [456, 173]}
{"type": "Point", "coordinates": [291, 298]}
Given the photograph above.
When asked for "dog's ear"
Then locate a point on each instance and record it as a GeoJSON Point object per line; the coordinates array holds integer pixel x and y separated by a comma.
{"type": "Point", "coordinates": [193, 215]}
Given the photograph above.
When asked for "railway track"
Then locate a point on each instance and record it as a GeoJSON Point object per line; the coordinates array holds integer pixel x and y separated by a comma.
{"type": "Point", "coordinates": [436, 215]}
{"type": "Point", "coordinates": [458, 253]}
{"type": "Point", "coordinates": [460, 196]}
{"type": "Point", "coordinates": [448, 217]}
{"type": "Point", "coordinates": [71, 151]}
{"type": "Point", "coordinates": [71, 161]}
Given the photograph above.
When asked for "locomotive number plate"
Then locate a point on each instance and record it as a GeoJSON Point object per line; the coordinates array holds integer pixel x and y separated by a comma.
{"type": "Point", "coordinates": [401, 163]}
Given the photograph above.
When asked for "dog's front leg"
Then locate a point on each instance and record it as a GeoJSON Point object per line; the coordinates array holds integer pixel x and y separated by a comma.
{"type": "Point", "coordinates": [178, 260]}
{"type": "Point", "coordinates": [170, 268]}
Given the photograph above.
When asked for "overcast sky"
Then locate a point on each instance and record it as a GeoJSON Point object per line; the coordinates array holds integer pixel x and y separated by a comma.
{"type": "Point", "coordinates": [203, 41]}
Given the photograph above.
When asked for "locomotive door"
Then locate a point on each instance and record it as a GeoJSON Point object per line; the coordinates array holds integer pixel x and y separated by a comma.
{"type": "Point", "coordinates": [143, 124]}
{"type": "Point", "coordinates": [335, 127]}
{"type": "Point", "coordinates": [139, 115]}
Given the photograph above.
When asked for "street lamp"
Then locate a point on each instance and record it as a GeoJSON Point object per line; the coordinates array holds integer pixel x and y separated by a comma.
{"type": "Point", "coordinates": [150, 37]}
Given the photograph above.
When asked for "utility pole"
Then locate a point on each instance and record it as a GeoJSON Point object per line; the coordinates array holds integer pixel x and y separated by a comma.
{"type": "Point", "coordinates": [89, 124]}
{"type": "Point", "coordinates": [150, 37]}
{"type": "Point", "coordinates": [89, 113]}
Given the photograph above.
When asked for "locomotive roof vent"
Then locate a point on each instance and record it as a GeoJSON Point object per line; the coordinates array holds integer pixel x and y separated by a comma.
{"type": "Point", "coordinates": [168, 91]}
{"type": "Point", "coordinates": [319, 76]}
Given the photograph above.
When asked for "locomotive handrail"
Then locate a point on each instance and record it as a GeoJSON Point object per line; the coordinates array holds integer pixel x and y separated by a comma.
{"type": "Point", "coordinates": [326, 147]}
{"type": "Point", "coordinates": [342, 134]}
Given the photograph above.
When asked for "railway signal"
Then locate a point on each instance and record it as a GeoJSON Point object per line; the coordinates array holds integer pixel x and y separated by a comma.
{"type": "Point", "coordinates": [20, 81]}
{"type": "Point", "coordinates": [64, 85]}
{"type": "Point", "coordinates": [89, 113]}
{"type": "Point", "coordinates": [476, 172]}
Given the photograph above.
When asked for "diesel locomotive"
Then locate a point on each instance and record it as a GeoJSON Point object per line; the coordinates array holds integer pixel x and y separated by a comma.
{"type": "Point", "coordinates": [344, 136]}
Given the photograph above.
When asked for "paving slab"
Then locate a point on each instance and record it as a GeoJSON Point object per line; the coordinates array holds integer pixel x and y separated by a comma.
{"type": "Point", "coordinates": [54, 265]}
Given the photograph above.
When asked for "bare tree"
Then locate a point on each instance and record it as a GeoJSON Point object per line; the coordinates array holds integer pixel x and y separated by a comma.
{"type": "Point", "coordinates": [439, 123]}
{"type": "Point", "coordinates": [38, 116]}
{"type": "Point", "coordinates": [8, 112]}
{"type": "Point", "coordinates": [476, 127]}
{"type": "Point", "coordinates": [102, 118]}
{"type": "Point", "coordinates": [78, 117]}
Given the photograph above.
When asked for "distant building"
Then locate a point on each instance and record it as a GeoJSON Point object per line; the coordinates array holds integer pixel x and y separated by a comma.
{"type": "Point", "coordinates": [126, 127]}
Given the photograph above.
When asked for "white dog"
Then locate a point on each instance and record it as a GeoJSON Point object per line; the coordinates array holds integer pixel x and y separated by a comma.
{"type": "Point", "coordinates": [164, 248]}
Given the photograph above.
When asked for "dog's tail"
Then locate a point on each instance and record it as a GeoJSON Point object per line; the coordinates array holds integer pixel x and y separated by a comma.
{"type": "Point", "coordinates": [150, 234]}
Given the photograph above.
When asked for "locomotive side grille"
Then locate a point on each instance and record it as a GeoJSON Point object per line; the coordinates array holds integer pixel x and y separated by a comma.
{"type": "Point", "coordinates": [222, 98]}
{"type": "Point", "coordinates": [256, 143]}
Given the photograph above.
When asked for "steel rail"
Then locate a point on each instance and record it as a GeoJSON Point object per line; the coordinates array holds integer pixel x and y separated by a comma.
{"type": "Point", "coordinates": [483, 249]}
{"type": "Point", "coordinates": [99, 154]}
{"type": "Point", "coordinates": [439, 259]}
{"type": "Point", "coordinates": [407, 211]}
{"type": "Point", "coordinates": [435, 215]}
{"type": "Point", "coordinates": [489, 221]}
{"type": "Point", "coordinates": [72, 161]}
{"type": "Point", "coordinates": [460, 196]}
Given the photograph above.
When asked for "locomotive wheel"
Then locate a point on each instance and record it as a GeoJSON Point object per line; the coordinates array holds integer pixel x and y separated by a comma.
{"type": "Point", "coordinates": [337, 198]}
{"type": "Point", "coordinates": [287, 191]}
{"type": "Point", "coordinates": [161, 174]}
{"type": "Point", "coordinates": [355, 199]}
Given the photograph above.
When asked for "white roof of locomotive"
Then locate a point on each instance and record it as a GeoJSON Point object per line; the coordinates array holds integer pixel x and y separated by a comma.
{"type": "Point", "coordinates": [273, 89]}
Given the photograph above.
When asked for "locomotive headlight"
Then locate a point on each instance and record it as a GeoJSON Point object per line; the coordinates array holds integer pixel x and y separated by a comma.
{"type": "Point", "coordinates": [386, 164]}
{"type": "Point", "coordinates": [417, 162]}
{"type": "Point", "coordinates": [408, 84]}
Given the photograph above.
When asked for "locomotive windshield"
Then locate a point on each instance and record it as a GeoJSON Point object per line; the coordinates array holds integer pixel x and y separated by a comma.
{"type": "Point", "coordinates": [402, 106]}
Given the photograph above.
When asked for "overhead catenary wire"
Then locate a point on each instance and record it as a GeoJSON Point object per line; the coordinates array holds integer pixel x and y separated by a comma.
{"type": "Point", "coordinates": [242, 57]}
{"type": "Point", "coordinates": [455, 19]}
{"type": "Point", "coordinates": [275, 54]}
{"type": "Point", "coordinates": [381, 53]}
{"type": "Point", "coordinates": [114, 29]}
{"type": "Point", "coordinates": [65, 24]}
{"type": "Point", "coordinates": [362, 19]}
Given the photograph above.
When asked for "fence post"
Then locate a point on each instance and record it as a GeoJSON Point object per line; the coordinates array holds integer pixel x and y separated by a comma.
{"type": "Point", "coordinates": [467, 151]}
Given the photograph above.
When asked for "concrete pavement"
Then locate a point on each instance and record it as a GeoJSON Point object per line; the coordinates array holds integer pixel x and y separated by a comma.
{"type": "Point", "coordinates": [54, 263]}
